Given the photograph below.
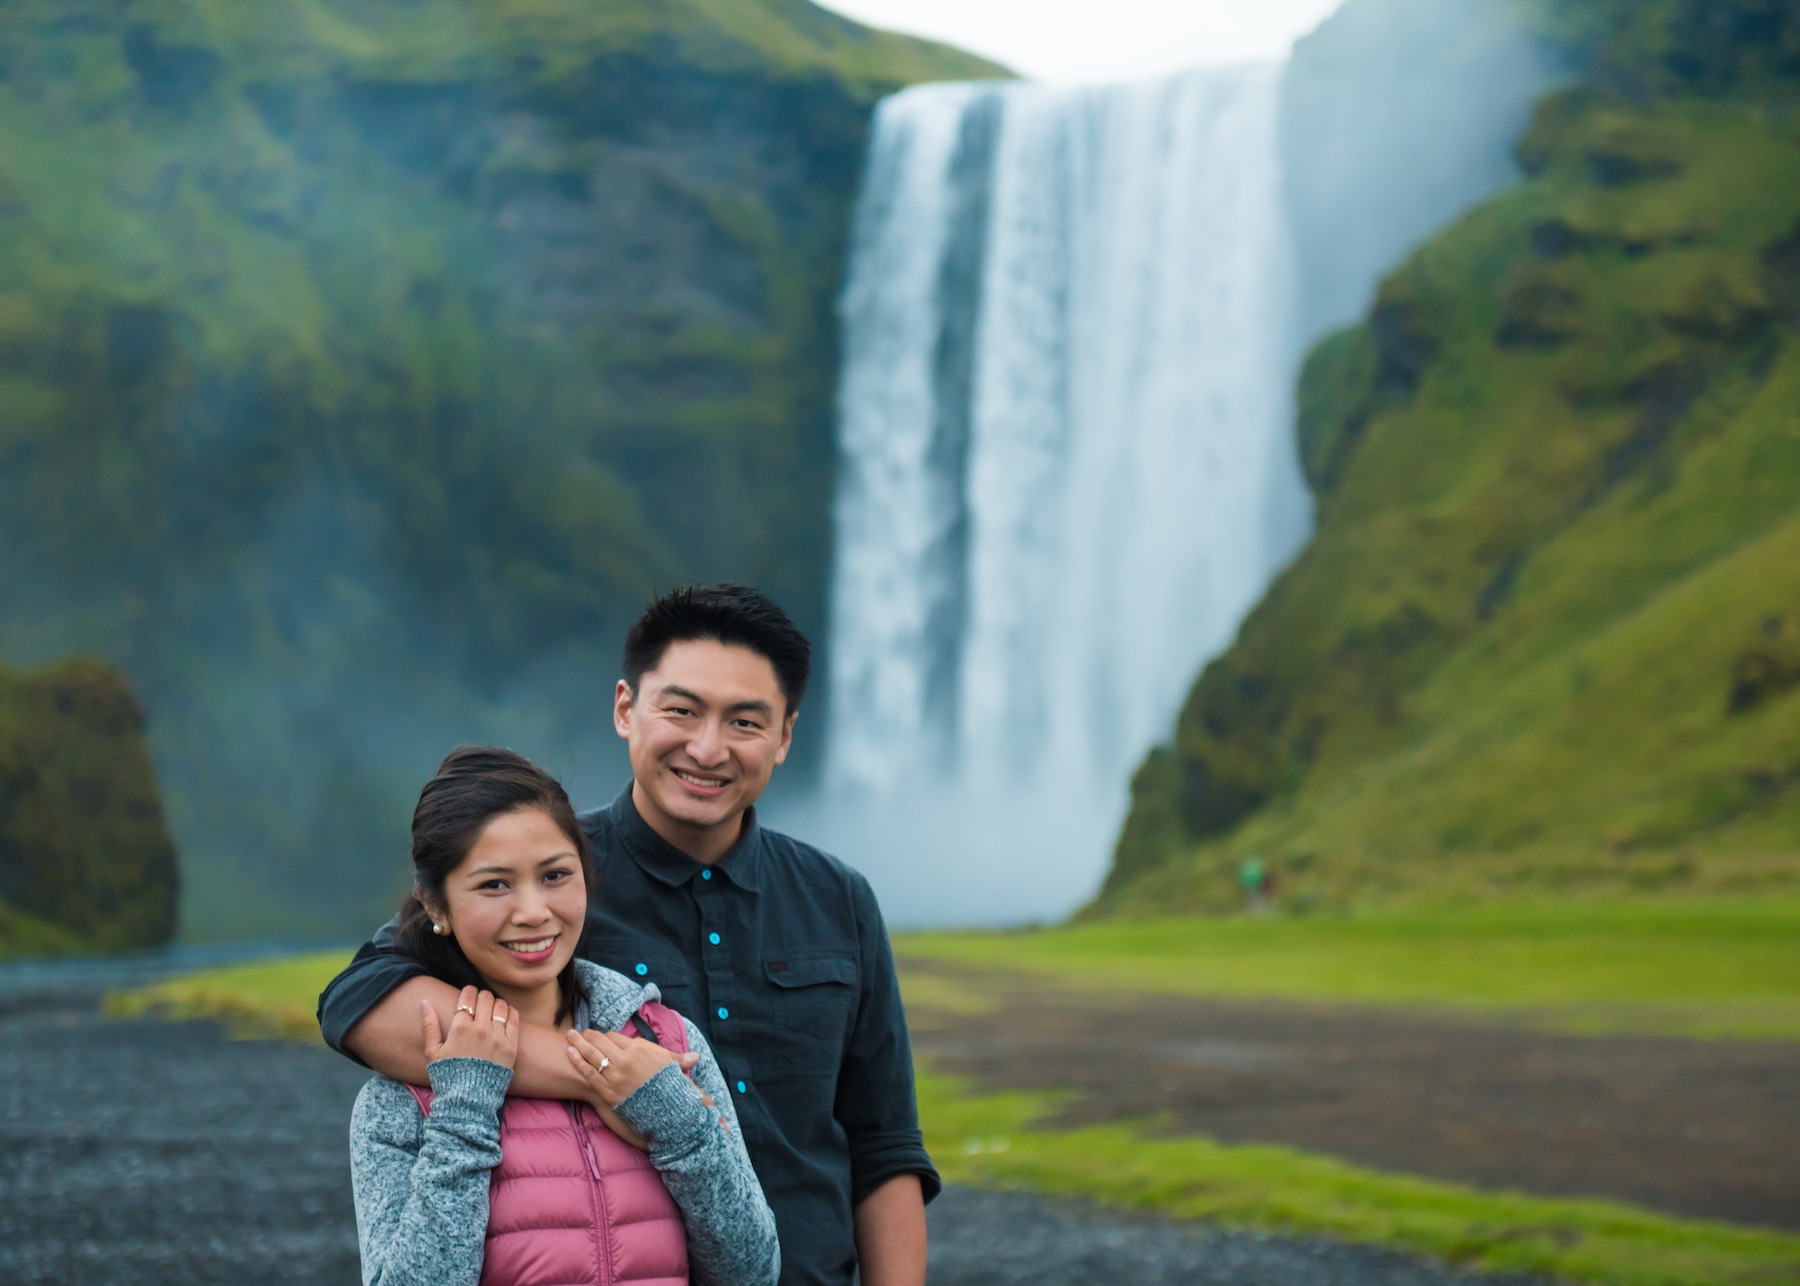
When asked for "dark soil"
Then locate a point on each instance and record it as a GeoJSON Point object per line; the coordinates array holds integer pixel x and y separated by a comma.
{"type": "Point", "coordinates": [141, 1153]}
{"type": "Point", "coordinates": [1691, 1127]}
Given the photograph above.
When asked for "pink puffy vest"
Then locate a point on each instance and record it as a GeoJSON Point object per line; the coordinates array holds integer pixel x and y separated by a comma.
{"type": "Point", "coordinates": [573, 1204]}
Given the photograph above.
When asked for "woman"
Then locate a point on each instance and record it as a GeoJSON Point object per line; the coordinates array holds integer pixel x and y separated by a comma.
{"type": "Point", "coordinates": [458, 1184]}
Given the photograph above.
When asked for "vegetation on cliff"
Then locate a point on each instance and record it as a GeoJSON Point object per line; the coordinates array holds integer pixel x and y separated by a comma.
{"type": "Point", "coordinates": [85, 860]}
{"type": "Point", "coordinates": [1547, 633]}
{"type": "Point", "coordinates": [363, 366]}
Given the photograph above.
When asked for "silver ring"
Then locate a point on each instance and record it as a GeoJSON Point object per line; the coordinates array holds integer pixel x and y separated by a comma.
{"type": "Point", "coordinates": [605, 1063]}
{"type": "Point", "coordinates": [500, 1020]}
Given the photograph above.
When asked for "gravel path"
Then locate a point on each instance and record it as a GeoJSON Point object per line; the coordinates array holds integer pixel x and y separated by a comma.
{"type": "Point", "coordinates": [143, 1153]}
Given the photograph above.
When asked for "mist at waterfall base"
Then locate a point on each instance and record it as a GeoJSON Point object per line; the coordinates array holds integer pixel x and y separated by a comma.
{"type": "Point", "coordinates": [1072, 323]}
{"type": "Point", "coordinates": [1067, 469]}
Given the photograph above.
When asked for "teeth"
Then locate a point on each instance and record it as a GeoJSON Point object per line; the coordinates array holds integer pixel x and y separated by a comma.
{"type": "Point", "coordinates": [698, 781]}
{"type": "Point", "coordinates": [527, 948]}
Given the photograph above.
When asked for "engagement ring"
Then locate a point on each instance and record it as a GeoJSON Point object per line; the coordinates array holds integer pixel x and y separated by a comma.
{"type": "Point", "coordinates": [605, 1063]}
{"type": "Point", "coordinates": [470, 1008]}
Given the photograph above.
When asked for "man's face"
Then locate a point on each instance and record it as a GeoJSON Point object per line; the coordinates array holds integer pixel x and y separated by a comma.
{"type": "Point", "coordinates": [706, 728]}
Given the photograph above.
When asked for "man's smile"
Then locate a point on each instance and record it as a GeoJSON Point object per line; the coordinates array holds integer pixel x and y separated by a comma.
{"type": "Point", "coordinates": [701, 781]}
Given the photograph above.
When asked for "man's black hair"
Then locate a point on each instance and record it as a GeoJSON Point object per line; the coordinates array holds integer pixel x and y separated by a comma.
{"type": "Point", "coordinates": [735, 615]}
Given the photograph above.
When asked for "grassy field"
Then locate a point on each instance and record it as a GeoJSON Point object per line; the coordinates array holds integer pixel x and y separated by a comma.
{"type": "Point", "coordinates": [268, 998]}
{"type": "Point", "coordinates": [1724, 968]}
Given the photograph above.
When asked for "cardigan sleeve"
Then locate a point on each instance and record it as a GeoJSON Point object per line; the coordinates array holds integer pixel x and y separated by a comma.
{"type": "Point", "coordinates": [421, 1183]}
{"type": "Point", "coordinates": [700, 1153]}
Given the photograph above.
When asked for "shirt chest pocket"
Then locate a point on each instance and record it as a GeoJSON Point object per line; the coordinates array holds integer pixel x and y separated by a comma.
{"type": "Point", "coordinates": [815, 1003]}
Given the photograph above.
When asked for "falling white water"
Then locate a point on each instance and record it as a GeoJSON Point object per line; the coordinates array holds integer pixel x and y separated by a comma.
{"type": "Point", "coordinates": [1067, 469]}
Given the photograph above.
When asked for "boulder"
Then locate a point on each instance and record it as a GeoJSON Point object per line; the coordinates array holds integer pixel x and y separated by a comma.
{"type": "Point", "coordinates": [85, 856]}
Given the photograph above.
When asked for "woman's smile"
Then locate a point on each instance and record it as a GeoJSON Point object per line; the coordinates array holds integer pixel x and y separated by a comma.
{"type": "Point", "coordinates": [533, 951]}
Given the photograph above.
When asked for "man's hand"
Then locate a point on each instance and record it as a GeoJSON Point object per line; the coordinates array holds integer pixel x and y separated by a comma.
{"type": "Point", "coordinates": [890, 1234]}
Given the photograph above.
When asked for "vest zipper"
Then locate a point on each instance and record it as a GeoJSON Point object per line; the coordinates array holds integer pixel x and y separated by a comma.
{"type": "Point", "coordinates": [587, 1144]}
{"type": "Point", "coordinates": [601, 1230]}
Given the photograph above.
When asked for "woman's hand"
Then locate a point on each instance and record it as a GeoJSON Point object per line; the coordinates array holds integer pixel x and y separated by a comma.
{"type": "Point", "coordinates": [613, 1065]}
{"type": "Point", "coordinates": [483, 1027]}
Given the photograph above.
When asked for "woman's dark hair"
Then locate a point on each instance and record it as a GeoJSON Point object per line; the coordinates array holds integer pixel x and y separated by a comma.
{"type": "Point", "coordinates": [732, 614]}
{"type": "Point", "coordinates": [473, 786]}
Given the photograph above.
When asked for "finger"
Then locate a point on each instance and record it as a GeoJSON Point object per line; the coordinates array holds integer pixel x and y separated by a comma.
{"type": "Point", "coordinates": [689, 1061]}
{"type": "Point", "coordinates": [484, 1009]}
{"type": "Point", "coordinates": [464, 1003]}
{"type": "Point", "coordinates": [602, 1044]}
{"type": "Point", "coordinates": [589, 1053]}
{"type": "Point", "coordinates": [502, 1012]}
{"type": "Point", "coordinates": [434, 1030]}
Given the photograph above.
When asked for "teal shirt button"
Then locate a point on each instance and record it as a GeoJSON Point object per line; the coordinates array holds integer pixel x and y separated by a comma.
{"type": "Point", "coordinates": [642, 970]}
{"type": "Point", "coordinates": [724, 1012]}
{"type": "Point", "coordinates": [713, 938]}
{"type": "Point", "coordinates": [741, 1087]}
{"type": "Point", "coordinates": [706, 875]}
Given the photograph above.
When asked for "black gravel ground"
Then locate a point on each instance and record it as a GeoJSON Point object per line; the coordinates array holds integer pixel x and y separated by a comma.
{"type": "Point", "coordinates": [145, 1152]}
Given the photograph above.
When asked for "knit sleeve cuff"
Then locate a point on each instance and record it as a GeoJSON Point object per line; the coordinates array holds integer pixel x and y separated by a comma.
{"type": "Point", "coordinates": [668, 1111]}
{"type": "Point", "coordinates": [467, 1088]}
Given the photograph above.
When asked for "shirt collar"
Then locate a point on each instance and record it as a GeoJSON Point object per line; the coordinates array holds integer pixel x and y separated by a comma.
{"type": "Point", "coordinates": [669, 864]}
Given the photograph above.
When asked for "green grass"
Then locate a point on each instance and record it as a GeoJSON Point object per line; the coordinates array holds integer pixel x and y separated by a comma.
{"type": "Point", "coordinates": [1719, 968]}
{"type": "Point", "coordinates": [989, 1141]}
{"type": "Point", "coordinates": [268, 998]}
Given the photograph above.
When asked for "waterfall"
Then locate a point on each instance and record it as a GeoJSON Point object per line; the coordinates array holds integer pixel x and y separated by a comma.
{"type": "Point", "coordinates": [1067, 468]}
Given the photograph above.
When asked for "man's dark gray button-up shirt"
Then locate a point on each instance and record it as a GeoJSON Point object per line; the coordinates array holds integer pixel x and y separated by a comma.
{"type": "Point", "coordinates": [778, 953]}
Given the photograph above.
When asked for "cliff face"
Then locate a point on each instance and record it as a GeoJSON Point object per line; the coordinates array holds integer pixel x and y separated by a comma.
{"type": "Point", "coordinates": [85, 860]}
{"type": "Point", "coordinates": [366, 366]}
{"type": "Point", "coordinates": [1544, 635]}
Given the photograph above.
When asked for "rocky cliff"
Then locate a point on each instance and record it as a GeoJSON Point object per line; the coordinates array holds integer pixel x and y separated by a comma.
{"type": "Point", "coordinates": [365, 366]}
{"type": "Point", "coordinates": [1544, 637]}
{"type": "Point", "coordinates": [85, 859]}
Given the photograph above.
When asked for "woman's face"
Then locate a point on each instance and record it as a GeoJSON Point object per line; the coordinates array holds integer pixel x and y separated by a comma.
{"type": "Point", "coordinates": [517, 903]}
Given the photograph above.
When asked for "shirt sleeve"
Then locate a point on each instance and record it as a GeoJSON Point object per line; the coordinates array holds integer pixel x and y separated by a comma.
{"type": "Point", "coordinates": [876, 1102]}
{"type": "Point", "coordinates": [378, 966]}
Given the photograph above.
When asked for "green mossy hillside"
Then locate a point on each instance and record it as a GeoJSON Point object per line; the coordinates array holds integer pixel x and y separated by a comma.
{"type": "Point", "coordinates": [1547, 634]}
{"type": "Point", "coordinates": [85, 860]}
{"type": "Point", "coordinates": [365, 366]}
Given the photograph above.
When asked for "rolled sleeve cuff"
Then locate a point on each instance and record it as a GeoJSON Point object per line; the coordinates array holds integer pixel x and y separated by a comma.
{"type": "Point", "coordinates": [874, 1161]}
{"type": "Point", "coordinates": [357, 990]}
{"type": "Point", "coordinates": [467, 1088]}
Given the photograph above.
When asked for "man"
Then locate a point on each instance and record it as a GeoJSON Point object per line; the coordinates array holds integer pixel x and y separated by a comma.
{"type": "Point", "coordinates": [775, 949]}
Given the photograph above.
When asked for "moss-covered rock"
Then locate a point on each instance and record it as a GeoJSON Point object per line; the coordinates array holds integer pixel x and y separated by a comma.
{"type": "Point", "coordinates": [1544, 635]}
{"type": "Point", "coordinates": [85, 859]}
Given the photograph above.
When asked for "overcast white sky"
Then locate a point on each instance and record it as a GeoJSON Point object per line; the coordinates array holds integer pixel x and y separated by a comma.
{"type": "Point", "coordinates": [1089, 41]}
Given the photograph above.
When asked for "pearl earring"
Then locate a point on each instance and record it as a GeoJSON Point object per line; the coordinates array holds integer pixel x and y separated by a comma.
{"type": "Point", "coordinates": [437, 928]}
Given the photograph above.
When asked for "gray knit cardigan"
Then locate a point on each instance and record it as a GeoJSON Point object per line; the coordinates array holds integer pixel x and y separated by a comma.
{"type": "Point", "coordinates": [421, 1183]}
